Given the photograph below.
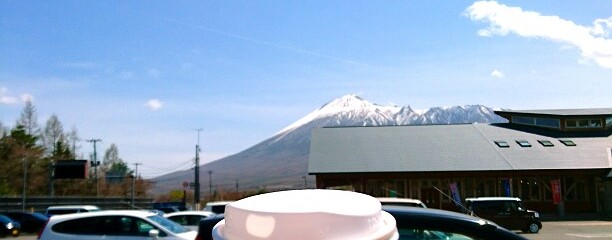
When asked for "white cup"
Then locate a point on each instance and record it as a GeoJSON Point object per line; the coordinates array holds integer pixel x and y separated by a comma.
{"type": "Point", "coordinates": [306, 214]}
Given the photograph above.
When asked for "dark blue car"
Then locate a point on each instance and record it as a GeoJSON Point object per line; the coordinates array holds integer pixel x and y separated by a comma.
{"type": "Point", "coordinates": [9, 227]}
{"type": "Point", "coordinates": [30, 222]}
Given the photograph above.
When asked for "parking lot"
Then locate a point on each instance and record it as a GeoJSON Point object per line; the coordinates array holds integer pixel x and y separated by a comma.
{"type": "Point", "coordinates": [562, 230]}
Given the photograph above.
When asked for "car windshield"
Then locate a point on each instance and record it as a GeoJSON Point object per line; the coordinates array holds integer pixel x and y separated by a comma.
{"type": "Point", "coordinates": [409, 234]}
{"type": "Point", "coordinates": [168, 224]}
{"type": "Point", "coordinates": [39, 216]}
{"type": "Point", "coordinates": [4, 219]}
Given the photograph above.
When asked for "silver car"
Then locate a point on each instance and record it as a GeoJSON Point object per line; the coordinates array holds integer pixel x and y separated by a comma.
{"type": "Point", "coordinates": [117, 224]}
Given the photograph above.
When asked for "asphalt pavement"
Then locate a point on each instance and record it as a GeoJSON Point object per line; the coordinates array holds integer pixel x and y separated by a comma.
{"type": "Point", "coordinates": [557, 230]}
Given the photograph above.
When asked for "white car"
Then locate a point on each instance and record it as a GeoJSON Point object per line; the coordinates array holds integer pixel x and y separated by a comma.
{"type": "Point", "coordinates": [115, 224]}
{"type": "Point", "coordinates": [65, 209]}
{"type": "Point", "coordinates": [409, 202]}
{"type": "Point", "coordinates": [216, 207]}
{"type": "Point", "coordinates": [189, 219]}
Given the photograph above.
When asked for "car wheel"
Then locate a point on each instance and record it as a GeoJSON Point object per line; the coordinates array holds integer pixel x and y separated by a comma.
{"type": "Point", "coordinates": [532, 228]}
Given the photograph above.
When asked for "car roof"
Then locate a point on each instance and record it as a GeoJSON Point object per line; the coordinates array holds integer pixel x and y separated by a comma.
{"type": "Point", "coordinates": [493, 199]}
{"type": "Point", "coordinates": [133, 213]}
{"type": "Point", "coordinates": [202, 213]}
{"type": "Point", "coordinates": [406, 200]}
{"type": "Point", "coordinates": [434, 213]}
{"type": "Point", "coordinates": [33, 214]}
{"type": "Point", "coordinates": [218, 203]}
{"type": "Point", "coordinates": [89, 207]}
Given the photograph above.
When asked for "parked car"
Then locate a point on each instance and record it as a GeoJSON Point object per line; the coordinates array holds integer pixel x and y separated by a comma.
{"type": "Point", "coordinates": [114, 224]}
{"type": "Point", "coordinates": [206, 225]}
{"type": "Point", "coordinates": [428, 223]}
{"type": "Point", "coordinates": [410, 202]}
{"type": "Point", "coordinates": [505, 211]}
{"type": "Point", "coordinates": [9, 226]}
{"type": "Point", "coordinates": [30, 222]}
{"type": "Point", "coordinates": [65, 209]}
{"type": "Point", "coordinates": [407, 222]}
{"type": "Point", "coordinates": [168, 209]}
{"type": "Point", "coordinates": [189, 219]}
{"type": "Point", "coordinates": [216, 207]}
{"type": "Point", "coordinates": [418, 223]}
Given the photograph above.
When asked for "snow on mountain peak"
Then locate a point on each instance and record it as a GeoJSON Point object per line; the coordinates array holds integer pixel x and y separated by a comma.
{"type": "Point", "coordinates": [366, 113]}
{"type": "Point", "coordinates": [345, 103]}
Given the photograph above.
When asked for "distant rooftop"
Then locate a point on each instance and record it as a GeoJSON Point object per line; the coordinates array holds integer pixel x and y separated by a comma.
{"type": "Point", "coordinates": [561, 112]}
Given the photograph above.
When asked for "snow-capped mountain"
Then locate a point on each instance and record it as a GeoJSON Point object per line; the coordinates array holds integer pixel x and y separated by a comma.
{"type": "Point", "coordinates": [281, 161]}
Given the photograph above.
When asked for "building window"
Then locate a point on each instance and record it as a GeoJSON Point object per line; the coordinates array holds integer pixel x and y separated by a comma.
{"type": "Point", "coordinates": [575, 189]}
{"type": "Point", "coordinates": [583, 123]}
{"type": "Point", "coordinates": [386, 188]}
{"type": "Point", "coordinates": [502, 144]}
{"type": "Point", "coordinates": [567, 142]}
{"type": "Point", "coordinates": [523, 120]}
{"type": "Point", "coordinates": [546, 143]}
{"type": "Point", "coordinates": [540, 122]}
{"type": "Point", "coordinates": [485, 187]}
{"type": "Point", "coordinates": [548, 122]}
{"type": "Point", "coordinates": [530, 189]}
{"type": "Point", "coordinates": [468, 187]}
{"type": "Point", "coordinates": [523, 143]}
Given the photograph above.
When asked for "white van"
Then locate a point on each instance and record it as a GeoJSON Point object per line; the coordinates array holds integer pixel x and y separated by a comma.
{"type": "Point", "coordinates": [55, 210]}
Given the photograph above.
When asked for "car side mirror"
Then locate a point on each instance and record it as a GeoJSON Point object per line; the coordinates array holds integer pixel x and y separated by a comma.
{"type": "Point", "coordinates": [154, 233]}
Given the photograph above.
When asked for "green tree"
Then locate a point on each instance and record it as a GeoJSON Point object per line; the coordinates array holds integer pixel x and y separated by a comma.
{"type": "Point", "coordinates": [18, 155]}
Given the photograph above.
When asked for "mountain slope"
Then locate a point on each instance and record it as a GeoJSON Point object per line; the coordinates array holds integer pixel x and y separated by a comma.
{"type": "Point", "coordinates": [281, 162]}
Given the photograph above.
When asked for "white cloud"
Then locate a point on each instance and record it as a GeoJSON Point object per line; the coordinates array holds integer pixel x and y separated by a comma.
{"type": "Point", "coordinates": [498, 74]}
{"type": "Point", "coordinates": [594, 42]}
{"type": "Point", "coordinates": [6, 99]}
{"type": "Point", "coordinates": [27, 97]}
{"type": "Point", "coordinates": [154, 104]}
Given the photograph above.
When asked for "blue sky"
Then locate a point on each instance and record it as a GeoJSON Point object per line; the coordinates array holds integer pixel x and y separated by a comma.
{"type": "Point", "coordinates": [145, 75]}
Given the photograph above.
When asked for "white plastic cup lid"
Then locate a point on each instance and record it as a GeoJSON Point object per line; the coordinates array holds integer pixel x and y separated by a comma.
{"type": "Point", "coordinates": [306, 214]}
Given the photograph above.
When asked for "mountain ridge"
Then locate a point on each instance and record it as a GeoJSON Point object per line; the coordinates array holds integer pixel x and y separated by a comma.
{"type": "Point", "coordinates": [281, 161]}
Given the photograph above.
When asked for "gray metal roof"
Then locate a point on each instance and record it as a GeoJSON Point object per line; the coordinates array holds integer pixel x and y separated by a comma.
{"type": "Point", "coordinates": [431, 148]}
{"type": "Point", "coordinates": [563, 112]}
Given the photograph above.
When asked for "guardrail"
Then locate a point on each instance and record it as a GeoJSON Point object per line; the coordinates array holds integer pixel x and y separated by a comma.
{"type": "Point", "coordinates": [40, 204]}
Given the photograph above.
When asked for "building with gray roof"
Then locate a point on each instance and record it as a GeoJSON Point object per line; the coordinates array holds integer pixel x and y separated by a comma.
{"type": "Point", "coordinates": [519, 159]}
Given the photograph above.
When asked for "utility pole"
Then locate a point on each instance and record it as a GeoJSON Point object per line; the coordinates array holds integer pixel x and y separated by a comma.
{"type": "Point", "coordinates": [210, 182]}
{"type": "Point", "coordinates": [95, 163]}
{"type": "Point", "coordinates": [134, 183]}
{"type": "Point", "coordinates": [25, 178]}
{"type": "Point", "coordinates": [196, 194]}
